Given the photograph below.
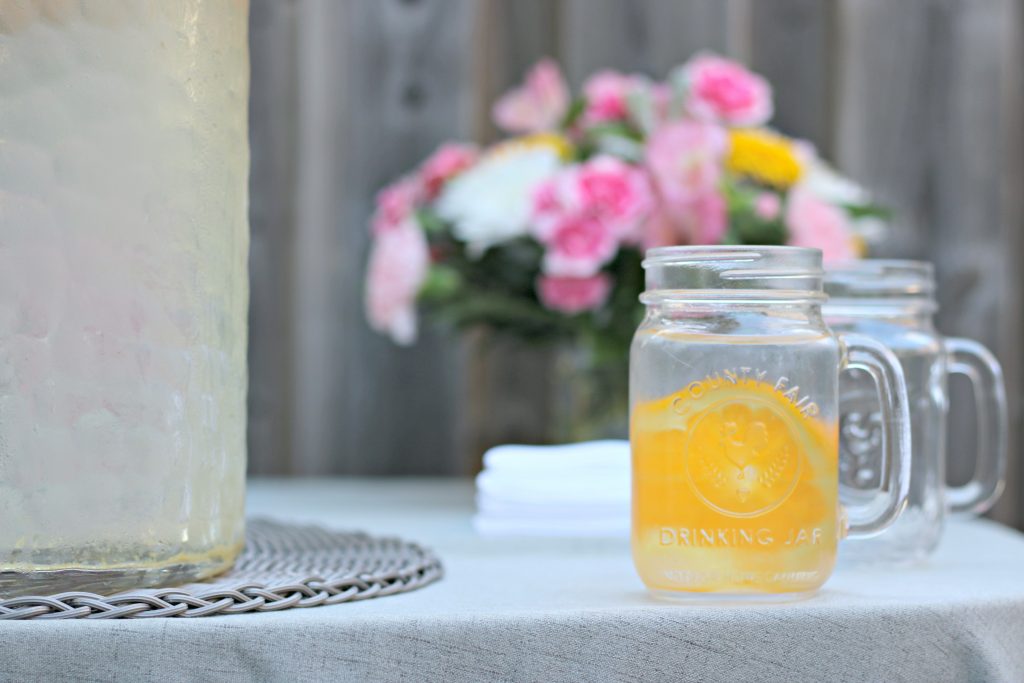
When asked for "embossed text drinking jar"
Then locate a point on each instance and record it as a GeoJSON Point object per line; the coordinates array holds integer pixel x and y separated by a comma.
{"type": "Point", "coordinates": [894, 302]}
{"type": "Point", "coordinates": [734, 382]}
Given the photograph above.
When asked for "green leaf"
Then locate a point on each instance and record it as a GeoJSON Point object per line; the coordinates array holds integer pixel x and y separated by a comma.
{"type": "Point", "coordinates": [502, 312]}
{"type": "Point", "coordinates": [745, 226]}
{"type": "Point", "coordinates": [616, 128]}
{"type": "Point", "coordinates": [617, 138]}
{"type": "Point", "coordinates": [442, 282]}
{"type": "Point", "coordinates": [576, 109]}
{"type": "Point", "coordinates": [762, 232]}
{"type": "Point", "coordinates": [857, 211]}
{"type": "Point", "coordinates": [430, 222]}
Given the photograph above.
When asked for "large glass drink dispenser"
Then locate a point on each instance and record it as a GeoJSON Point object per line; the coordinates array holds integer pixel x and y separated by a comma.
{"type": "Point", "coordinates": [123, 291]}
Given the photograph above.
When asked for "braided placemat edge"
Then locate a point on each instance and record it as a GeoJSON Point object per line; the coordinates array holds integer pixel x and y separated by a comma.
{"type": "Point", "coordinates": [420, 567]}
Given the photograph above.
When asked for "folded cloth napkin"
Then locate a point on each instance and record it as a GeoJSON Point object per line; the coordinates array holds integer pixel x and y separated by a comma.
{"type": "Point", "coordinates": [579, 489]}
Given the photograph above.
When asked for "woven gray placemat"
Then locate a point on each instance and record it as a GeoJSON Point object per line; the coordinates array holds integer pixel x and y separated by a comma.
{"type": "Point", "coordinates": [282, 566]}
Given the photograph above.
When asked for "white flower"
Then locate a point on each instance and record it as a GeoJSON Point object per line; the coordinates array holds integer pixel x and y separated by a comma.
{"type": "Point", "coordinates": [490, 202]}
{"type": "Point", "coordinates": [828, 185]}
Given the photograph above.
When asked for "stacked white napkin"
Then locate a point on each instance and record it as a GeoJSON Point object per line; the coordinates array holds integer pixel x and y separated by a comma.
{"type": "Point", "coordinates": [575, 490]}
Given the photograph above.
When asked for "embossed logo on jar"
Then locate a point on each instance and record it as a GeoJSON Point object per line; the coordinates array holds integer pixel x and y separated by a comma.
{"type": "Point", "coordinates": [743, 457]}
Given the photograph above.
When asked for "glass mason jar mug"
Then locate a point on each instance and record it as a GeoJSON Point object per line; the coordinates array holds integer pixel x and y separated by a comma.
{"type": "Point", "coordinates": [123, 292]}
{"type": "Point", "coordinates": [734, 424]}
{"type": "Point", "coordinates": [893, 302]}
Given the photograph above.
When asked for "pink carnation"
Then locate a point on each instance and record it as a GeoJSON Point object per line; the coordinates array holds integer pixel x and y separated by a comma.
{"type": "Point", "coordinates": [723, 91]}
{"type": "Point", "coordinates": [445, 163]}
{"type": "Point", "coordinates": [399, 259]}
{"type": "Point", "coordinates": [538, 105]}
{"type": "Point", "coordinates": [553, 199]}
{"type": "Point", "coordinates": [702, 220]}
{"type": "Point", "coordinates": [815, 223]}
{"type": "Point", "coordinates": [606, 93]}
{"type": "Point", "coordinates": [395, 203]}
{"type": "Point", "coordinates": [578, 245]}
{"type": "Point", "coordinates": [574, 294]}
{"type": "Point", "coordinates": [617, 192]}
{"type": "Point", "coordinates": [706, 219]}
{"type": "Point", "coordinates": [585, 212]}
{"type": "Point", "coordinates": [685, 159]}
{"type": "Point", "coordinates": [661, 230]}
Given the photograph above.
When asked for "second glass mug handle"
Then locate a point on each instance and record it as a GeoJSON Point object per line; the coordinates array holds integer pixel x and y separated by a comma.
{"type": "Point", "coordinates": [865, 354]}
{"type": "Point", "coordinates": [971, 359]}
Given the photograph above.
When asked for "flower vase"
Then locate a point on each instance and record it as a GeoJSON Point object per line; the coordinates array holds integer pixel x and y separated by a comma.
{"type": "Point", "coordinates": [528, 392]}
{"type": "Point", "coordinates": [591, 396]}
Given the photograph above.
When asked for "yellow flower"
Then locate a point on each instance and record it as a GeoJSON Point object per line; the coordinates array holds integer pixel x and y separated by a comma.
{"type": "Point", "coordinates": [764, 156]}
{"type": "Point", "coordinates": [860, 246]}
{"type": "Point", "coordinates": [556, 143]}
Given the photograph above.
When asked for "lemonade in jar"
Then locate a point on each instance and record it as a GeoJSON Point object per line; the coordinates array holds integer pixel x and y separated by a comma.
{"type": "Point", "coordinates": [734, 398]}
{"type": "Point", "coordinates": [123, 291]}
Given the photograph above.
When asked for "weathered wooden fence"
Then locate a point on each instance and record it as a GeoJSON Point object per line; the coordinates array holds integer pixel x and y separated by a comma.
{"type": "Point", "coordinates": [920, 100]}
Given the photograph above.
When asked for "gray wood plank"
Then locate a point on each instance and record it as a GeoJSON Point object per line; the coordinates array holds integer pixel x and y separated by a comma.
{"type": "Point", "coordinates": [647, 36]}
{"type": "Point", "coordinates": [322, 316]}
{"type": "Point", "coordinates": [920, 122]}
{"type": "Point", "coordinates": [970, 239]}
{"type": "Point", "coordinates": [1011, 325]}
{"type": "Point", "coordinates": [402, 75]}
{"type": "Point", "coordinates": [272, 129]}
{"type": "Point", "coordinates": [347, 95]}
{"type": "Point", "coordinates": [888, 77]}
{"type": "Point", "coordinates": [792, 44]}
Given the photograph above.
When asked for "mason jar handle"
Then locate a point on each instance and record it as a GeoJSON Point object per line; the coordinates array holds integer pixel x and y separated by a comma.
{"type": "Point", "coordinates": [872, 357]}
{"type": "Point", "coordinates": [971, 359]}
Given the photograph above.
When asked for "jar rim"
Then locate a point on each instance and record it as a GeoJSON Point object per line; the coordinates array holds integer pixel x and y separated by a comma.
{"type": "Point", "coordinates": [709, 271]}
{"type": "Point", "coordinates": [880, 279]}
{"type": "Point", "coordinates": [882, 265]}
{"type": "Point", "coordinates": [727, 252]}
{"type": "Point", "coordinates": [745, 296]}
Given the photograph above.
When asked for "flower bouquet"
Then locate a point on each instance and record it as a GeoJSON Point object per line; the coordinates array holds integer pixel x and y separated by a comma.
{"type": "Point", "coordinates": [541, 235]}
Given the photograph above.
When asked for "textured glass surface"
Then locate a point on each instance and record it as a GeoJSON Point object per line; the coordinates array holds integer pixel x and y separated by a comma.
{"type": "Point", "coordinates": [918, 346]}
{"type": "Point", "coordinates": [734, 450]}
{"type": "Point", "coordinates": [123, 285]}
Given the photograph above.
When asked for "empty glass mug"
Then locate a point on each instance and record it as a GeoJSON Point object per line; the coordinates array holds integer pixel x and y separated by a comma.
{"type": "Point", "coordinates": [893, 302]}
{"type": "Point", "coordinates": [734, 381]}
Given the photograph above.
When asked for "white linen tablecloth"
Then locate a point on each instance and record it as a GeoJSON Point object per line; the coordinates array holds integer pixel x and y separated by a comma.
{"type": "Point", "coordinates": [555, 610]}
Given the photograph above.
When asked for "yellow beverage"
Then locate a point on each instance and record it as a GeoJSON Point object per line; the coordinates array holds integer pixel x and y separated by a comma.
{"type": "Point", "coordinates": [734, 489]}
{"type": "Point", "coordinates": [124, 239]}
